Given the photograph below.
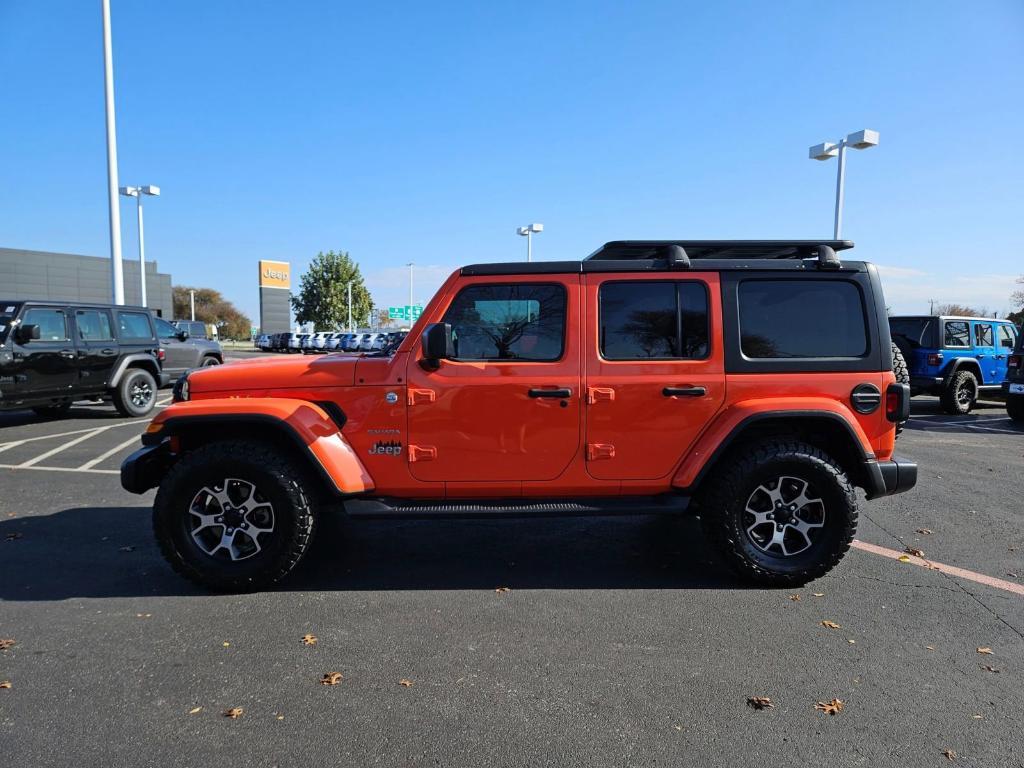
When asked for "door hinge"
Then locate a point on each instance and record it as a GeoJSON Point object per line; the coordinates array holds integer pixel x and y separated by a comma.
{"type": "Point", "coordinates": [597, 451]}
{"type": "Point", "coordinates": [417, 396]}
{"type": "Point", "coordinates": [422, 453]}
{"type": "Point", "coordinates": [598, 394]}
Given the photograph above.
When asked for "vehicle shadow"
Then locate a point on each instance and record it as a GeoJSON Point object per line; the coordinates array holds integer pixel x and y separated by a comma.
{"type": "Point", "coordinates": [927, 415]}
{"type": "Point", "coordinates": [110, 552]}
{"type": "Point", "coordinates": [90, 411]}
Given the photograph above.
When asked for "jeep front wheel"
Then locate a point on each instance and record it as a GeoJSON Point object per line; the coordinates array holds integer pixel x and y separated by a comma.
{"type": "Point", "coordinates": [960, 394]}
{"type": "Point", "coordinates": [783, 513]}
{"type": "Point", "coordinates": [232, 516]}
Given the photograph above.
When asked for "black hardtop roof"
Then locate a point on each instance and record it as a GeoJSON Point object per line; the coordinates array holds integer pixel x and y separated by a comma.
{"type": "Point", "coordinates": [75, 304]}
{"type": "Point", "coordinates": [665, 255]}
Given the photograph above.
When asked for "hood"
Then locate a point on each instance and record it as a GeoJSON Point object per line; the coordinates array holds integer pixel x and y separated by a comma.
{"type": "Point", "coordinates": [274, 373]}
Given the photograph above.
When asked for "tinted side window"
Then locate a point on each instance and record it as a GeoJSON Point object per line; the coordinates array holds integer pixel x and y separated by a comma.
{"type": "Point", "coordinates": [53, 324]}
{"type": "Point", "coordinates": [524, 322]}
{"type": "Point", "coordinates": [1005, 337]}
{"type": "Point", "coordinates": [134, 326]}
{"type": "Point", "coordinates": [93, 325]}
{"type": "Point", "coordinates": [653, 320]}
{"type": "Point", "coordinates": [802, 318]}
{"type": "Point", "coordinates": [164, 329]}
{"type": "Point", "coordinates": [958, 333]}
{"type": "Point", "coordinates": [983, 335]}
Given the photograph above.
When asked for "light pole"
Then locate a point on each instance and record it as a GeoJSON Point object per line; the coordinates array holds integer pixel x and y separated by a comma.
{"type": "Point", "coordinates": [825, 150]}
{"type": "Point", "coordinates": [116, 275]}
{"type": "Point", "coordinates": [192, 301]}
{"type": "Point", "coordinates": [137, 193]}
{"type": "Point", "coordinates": [528, 233]}
{"type": "Point", "coordinates": [350, 328]}
{"type": "Point", "coordinates": [410, 266]}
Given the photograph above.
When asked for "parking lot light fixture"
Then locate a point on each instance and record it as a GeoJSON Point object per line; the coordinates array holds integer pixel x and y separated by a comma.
{"type": "Point", "coordinates": [528, 232]}
{"type": "Point", "coordinates": [137, 193]}
{"type": "Point", "coordinates": [826, 150]}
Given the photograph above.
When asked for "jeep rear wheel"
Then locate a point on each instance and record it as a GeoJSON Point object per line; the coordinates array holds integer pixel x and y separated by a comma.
{"type": "Point", "coordinates": [135, 394]}
{"type": "Point", "coordinates": [960, 394]}
{"type": "Point", "coordinates": [783, 513]}
{"type": "Point", "coordinates": [1015, 407]}
{"type": "Point", "coordinates": [232, 516]}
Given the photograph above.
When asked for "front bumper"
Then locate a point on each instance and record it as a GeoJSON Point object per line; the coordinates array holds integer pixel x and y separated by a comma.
{"type": "Point", "coordinates": [145, 468]}
{"type": "Point", "coordinates": [886, 478]}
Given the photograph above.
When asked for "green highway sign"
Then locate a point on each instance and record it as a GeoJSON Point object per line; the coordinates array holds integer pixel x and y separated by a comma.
{"type": "Point", "coordinates": [408, 312]}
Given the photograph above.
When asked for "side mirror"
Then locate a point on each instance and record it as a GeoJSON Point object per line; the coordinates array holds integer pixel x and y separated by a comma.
{"type": "Point", "coordinates": [438, 345]}
{"type": "Point", "coordinates": [27, 333]}
{"type": "Point", "coordinates": [182, 335]}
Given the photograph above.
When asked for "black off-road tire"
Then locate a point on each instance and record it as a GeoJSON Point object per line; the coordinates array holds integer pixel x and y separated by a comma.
{"type": "Point", "coordinates": [277, 477]}
{"type": "Point", "coordinates": [56, 411]}
{"type": "Point", "coordinates": [126, 397]}
{"type": "Point", "coordinates": [960, 395]}
{"type": "Point", "coordinates": [1015, 407]}
{"type": "Point", "coordinates": [899, 366]}
{"type": "Point", "coordinates": [723, 501]}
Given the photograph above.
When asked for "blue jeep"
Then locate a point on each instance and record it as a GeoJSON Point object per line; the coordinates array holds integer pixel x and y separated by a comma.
{"type": "Point", "coordinates": [955, 358]}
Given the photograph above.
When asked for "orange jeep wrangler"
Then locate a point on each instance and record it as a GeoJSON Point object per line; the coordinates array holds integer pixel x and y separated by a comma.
{"type": "Point", "coordinates": [750, 382]}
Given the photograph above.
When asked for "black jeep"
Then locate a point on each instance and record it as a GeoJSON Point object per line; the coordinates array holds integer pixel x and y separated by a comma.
{"type": "Point", "coordinates": [55, 352]}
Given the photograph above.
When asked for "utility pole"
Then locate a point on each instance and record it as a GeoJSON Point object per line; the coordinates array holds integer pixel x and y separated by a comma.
{"type": "Point", "coordinates": [192, 299]}
{"type": "Point", "coordinates": [116, 273]}
{"type": "Point", "coordinates": [409, 265]}
{"type": "Point", "coordinates": [350, 328]}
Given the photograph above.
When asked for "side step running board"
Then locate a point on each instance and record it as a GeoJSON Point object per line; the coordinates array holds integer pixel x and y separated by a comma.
{"type": "Point", "coordinates": [402, 508]}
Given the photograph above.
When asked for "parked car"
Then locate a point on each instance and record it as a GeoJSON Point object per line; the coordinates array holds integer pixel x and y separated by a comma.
{"type": "Point", "coordinates": [53, 353]}
{"type": "Point", "coordinates": [318, 341]}
{"type": "Point", "coordinates": [956, 358]}
{"type": "Point", "coordinates": [296, 341]}
{"type": "Point", "coordinates": [195, 329]}
{"type": "Point", "coordinates": [334, 343]}
{"type": "Point", "coordinates": [1013, 387]}
{"type": "Point", "coordinates": [749, 382]}
{"type": "Point", "coordinates": [263, 342]}
{"type": "Point", "coordinates": [366, 343]}
{"type": "Point", "coordinates": [183, 351]}
{"type": "Point", "coordinates": [351, 342]}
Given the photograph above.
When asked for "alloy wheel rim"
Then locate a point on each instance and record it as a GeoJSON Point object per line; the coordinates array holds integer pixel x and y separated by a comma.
{"type": "Point", "coordinates": [231, 520]}
{"type": "Point", "coordinates": [965, 393]}
{"type": "Point", "coordinates": [140, 393]}
{"type": "Point", "coordinates": [783, 517]}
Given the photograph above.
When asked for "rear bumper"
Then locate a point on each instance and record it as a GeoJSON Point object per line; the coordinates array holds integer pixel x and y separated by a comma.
{"type": "Point", "coordinates": [145, 468]}
{"type": "Point", "coordinates": [165, 379]}
{"type": "Point", "coordinates": [887, 478]}
{"type": "Point", "coordinates": [931, 385]}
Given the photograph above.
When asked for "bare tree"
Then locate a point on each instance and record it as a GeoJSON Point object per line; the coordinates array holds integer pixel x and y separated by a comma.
{"type": "Point", "coordinates": [960, 310]}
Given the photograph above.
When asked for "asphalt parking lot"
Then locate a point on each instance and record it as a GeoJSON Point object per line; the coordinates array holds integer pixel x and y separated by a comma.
{"type": "Point", "coordinates": [620, 641]}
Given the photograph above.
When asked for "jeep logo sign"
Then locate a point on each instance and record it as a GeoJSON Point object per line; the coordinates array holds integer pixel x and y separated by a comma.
{"type": "Point", "coordinates": [274, 274]}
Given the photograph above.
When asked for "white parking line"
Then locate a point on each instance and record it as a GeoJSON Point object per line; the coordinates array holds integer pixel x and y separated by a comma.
{"type": "Point", "coordinates": [54, 451]}
{"type": "Point", "coordinates": [5, 446]}
{"type": "Point", "coordinates": [63, 469]}
{"type": "Point", "coordinates": [107, 454]}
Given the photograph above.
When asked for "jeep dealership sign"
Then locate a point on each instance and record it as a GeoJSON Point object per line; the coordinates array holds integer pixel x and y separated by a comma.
{"type": "Point", "coordinates": [275, 310]}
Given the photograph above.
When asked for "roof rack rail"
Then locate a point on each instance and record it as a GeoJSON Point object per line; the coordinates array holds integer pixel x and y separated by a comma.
{"type": "Point", "coordinates": [669, 250]}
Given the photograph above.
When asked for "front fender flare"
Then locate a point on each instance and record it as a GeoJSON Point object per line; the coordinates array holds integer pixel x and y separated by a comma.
{"type": "Point", "coordinates": [309, 427]}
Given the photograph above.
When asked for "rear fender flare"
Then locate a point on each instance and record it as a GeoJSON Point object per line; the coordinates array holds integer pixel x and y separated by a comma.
{"type": "Point", "coordinates": [963, 363]}
{"type": "Point", "coordinates": [309, 428]}
{"type": "Point", "coordinates": [729, 428]}
{"type": "Point", "coordinates": [138, 360]}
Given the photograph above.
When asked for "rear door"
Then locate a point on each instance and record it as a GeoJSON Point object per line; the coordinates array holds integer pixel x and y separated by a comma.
{"type": "Point", "coordinates": [97, 348]}
{"type": "Point", "coordinates": [654, 376]}
{"type": "Point", "coordinates": [1005, 339]}
{"type": "Point", "coordinates": [47, 366]}
{"type": "Point", "coordinates": [507, 407]}
{"type": "Point", "coordinates": [985, 352]}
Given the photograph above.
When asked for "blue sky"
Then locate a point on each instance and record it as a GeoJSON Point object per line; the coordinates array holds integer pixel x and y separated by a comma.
{"type": "Point", "coordinates": [427, 132]}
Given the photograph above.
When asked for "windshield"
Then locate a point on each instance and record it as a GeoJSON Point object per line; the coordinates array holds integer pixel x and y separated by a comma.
{"type": "Point", "coordinates": [8, 311]}
{"type": "Point", "coordinates": [915, 331]}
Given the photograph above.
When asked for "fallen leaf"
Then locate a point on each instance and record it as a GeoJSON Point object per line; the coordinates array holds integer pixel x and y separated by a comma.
{"type": "Point", "coordinates": [308, 639]}
{"type": "Point", "coordinates": [330, 678]}
{"type": "Point", "coordinates": [234, 713]}
{"type": "Point", "coordinates": [930, 647]}
{"type": "Point", "coordinates": [6, 643]}
{"type": "Point", "coordinates": [794, 598]}
{"type": "Point", "coordinates": [914, 551]}
{"type": "Point", "coordinates": [226, 644]}
{"type": "Point", "coordinates": [833, 707]}
{"type": "Point", "coordinates": [405, 682]}
{"type": "Point", "coordinates": [830, 624]}
{"type": "Point", "coordinates": [903, 559]}
{"type": "Point", "coordinates": [760, 702]}
{"type": "Point", "coordinates": [13, 536]}
{"type": "Point", "coordinates": [924, 531]}
{"type": "Point", "coordinates": [851, 641]}
{"type": "Point", "coordinates": [818, 594]}
{"type": "Point", "coordinates": [976, 717]}
{"type": "Point", "coordinates": [280, 717]}
{"type": "Point", "coordinates": [502, 590]}
{"type": "Point", "coordinates": [5, 683]}
{"type": "Point", "coordinates": [1011, 575]}
{"type": "Point", "coordinates": [143, 615]}
{"type": "Point", "coordinates": [949, 753]}
{"type": "Point", "coordinates": [989, 668]}
{"type": "Point", "coordinates": [986, 651]}
{"type": "Point", "coordinates": [678, 727]}
{"type": "Point", "coordinates": [126, 549]}
{"type": "Point", "coordinates": [195, 710]}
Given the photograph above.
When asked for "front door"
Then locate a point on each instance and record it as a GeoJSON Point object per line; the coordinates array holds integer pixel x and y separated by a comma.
{"type": "Point", "coordinates": [179, 355]}
{"type": "Point", "coordinates": [97, 348]}
{"type": "Point", "coordinates": [985, 352]}
{"type": "Point", "coordinates": [45, 367]}
{"type": "Point", "coordinates": [655, 371]}
{"type": "Point", "coordinates": [507, 407]}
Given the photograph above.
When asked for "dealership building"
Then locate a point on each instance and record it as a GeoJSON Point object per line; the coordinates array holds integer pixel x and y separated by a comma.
{"type": "Point", "coordinates": [71, 277]}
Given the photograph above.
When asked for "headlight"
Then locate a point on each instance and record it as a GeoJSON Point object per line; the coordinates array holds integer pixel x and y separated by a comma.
{"type": "Point", "coordinates": [180, 390]}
